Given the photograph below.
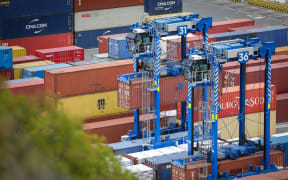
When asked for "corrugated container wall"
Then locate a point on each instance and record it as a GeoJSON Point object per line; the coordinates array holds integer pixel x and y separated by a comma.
{"type": "Point", "coordinates": [86, 79]}
{"type": "Point", "coordinates": [108, 18]}
{"type": "Point", "coordinates": [89, 39]}
{"type": "Point", "coordinates": [18, 51]}
{"type": "Point", "coordinates": [103, 42]}
{"type": "Point", "coordinates": [19, 67]}
{"type": "Point", "coordinates": [35, 26]}
{"type": "Point", "coordinates": [7, 74]}
{"type": "Point", "coordinates": [88, 105]}
{"type": "Point", "coordinates": [17, 8]}
{"type": "Point", "coordinates": [89, 5]}
{"type": "Point", "coordinates": [156, 7]}
{"type": "Point", "coordinates": [25, 59]}
{"type": "Point", "coordinates": [118, 48]}
{"type": "Point", "coordinates": [282, 106]}
{"type": "Point", "coordinates": [41, 42]}
{"type": "Point", "coordinates": [6, 59]}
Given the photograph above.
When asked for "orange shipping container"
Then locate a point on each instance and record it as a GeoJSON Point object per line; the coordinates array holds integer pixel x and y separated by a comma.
{"type": "Point", "coordinates": [85, 79]}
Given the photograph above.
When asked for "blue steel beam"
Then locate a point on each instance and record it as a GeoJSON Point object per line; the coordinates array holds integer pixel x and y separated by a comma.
{"type": "Point", "coordinates": [157, 85]}
{"type": "Point", "coordinates": [136, 111]}
{"type": "Point", "coordinates": [190, 116]}
{"type": "Point", "coordinates": [241, 116]}
{"type": "Point", "coordinates": [267, 102]}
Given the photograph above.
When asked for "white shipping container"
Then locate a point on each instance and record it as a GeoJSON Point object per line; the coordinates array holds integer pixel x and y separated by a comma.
{"type": "Point", "coordinates": [108, 18]}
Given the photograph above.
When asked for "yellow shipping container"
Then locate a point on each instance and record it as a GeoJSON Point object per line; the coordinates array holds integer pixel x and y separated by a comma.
{"type": "Point", "coordinates": [254, 125]}
{"type": "Point", "coordinates": [19, 67]}
{"type": "Point", "coordinates": [282, 50]}
{"type": "Point", "coordinates": [18, 51]}
{"type": "Point", "coordinates": [88, 105]}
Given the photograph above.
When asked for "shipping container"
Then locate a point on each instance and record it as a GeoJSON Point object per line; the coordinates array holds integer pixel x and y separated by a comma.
{"type": "Point", "coordinates": [85, 79]}
{"type": "Point", "coordinates": [6, 59]}
{"type": "Point", "coordinates": [156, 7]}
{"type": "Point", "coordinates": [248, 27]}
{"type": "Point", "coordinates": [89, 5]}
{"type": "Point", "coordinates": [39, 71]}
{"type": "Point", "coordinates": [245, 35]}
{"type": "Point", "coordinates": [254, 125]}
{"type": "Point", "coordinates": [256, 74]}
{"type": "Point", "coordinates": [103, 42]}
{"type": "Point", "coordinates": [41, 42]}
{"type": "Point", "coordinates": [141, 171]}
{"type": "Point", "coordinates": [279, 175]}
{"type": "Point", "coordinates": [25, 59]}
{"type": "Point", "coordinates": [19, 8]}
{"type": "Point", "coordinates": [18, 51]}
{"type": "Point", "coordinates": [282, 107]}
{"type": "Point", "coordinates": [87, 105]}
{"type": "Point", "coordinates": [89, 39]}
{"type": "Point", "coordinates": [172, 90]}
{"type": "Point", "coordinates": [274, 59]}
{"type": "Point", "coordinates": [229, 99]}
{"type": "Point", "coordinates": [61, 54]}
{"type": "Point", "coordinates": [31, 88]}
{"type": "Point", "coordinates": [174, 45]}
{"type": "Point", "coordinates": [241, 164]}
{"type": "Point", "coordinates": [108, 18]}
{"type": "Point", "coordinates": [35, 26]}
{"type": "Point", "coordinates": [7, 74]}
{"type": "Point", "coordinates": [96, 61]}
{"type": "Point", "coordinates": [282, 50]}
{"type": "Point", "coordinates": [118, 48]}
{"type": "Point", "coordinates": [19, 67]}
{"type": "Point", "coordinates": [277, 34]}
{"type": "Point", "coordinates": [224, 26]}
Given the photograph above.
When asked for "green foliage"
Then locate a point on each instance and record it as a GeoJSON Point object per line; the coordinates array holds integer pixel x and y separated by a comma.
{"type": "Point", "coordinates": [47, 145]}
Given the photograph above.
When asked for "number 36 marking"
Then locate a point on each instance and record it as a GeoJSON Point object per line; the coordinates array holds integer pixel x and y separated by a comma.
{"type": "Point", "coordinates": [243, 57]}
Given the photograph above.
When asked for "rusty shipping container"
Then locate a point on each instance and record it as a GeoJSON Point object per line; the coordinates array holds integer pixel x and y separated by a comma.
{"type": "Point", "coordinates": [172, 90]}
{"type": "Point", "coordinates": [88, 5]}
{"type": "Point", "coordinates": [25, 59]}
{"type": "Point", "coordinates": [279, 175]}
{"type": "Point", "coordinates": [256, 74]}
{"type": "Point", "coordinates": [86, 79]}
{"type": "Point", "coordinates": [282, 107]}
{"type": "Point", "coordinates": [258, 62]}
{"type": "Point", "coordinates": [233, 167]}
{"type": "Point", "coordinates": [7, 74]}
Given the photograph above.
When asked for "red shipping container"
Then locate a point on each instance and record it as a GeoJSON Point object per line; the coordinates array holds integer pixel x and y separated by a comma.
{"type": "Point", "coordinates": [229, 100]}
{"type": "Point", "coordinates": [7, 74]}
{"type": "Point", "coordinates": [88, 5]}
{"type": "Point", "coordinates": [172, 90]}
{"type": "Point", "coordinates": [61, 54]}
{"type": "Point", "coordinates": [41, 42]}
{"type": "Point", "coordinates": [247, 27]}
{"type": "Point", "coordinates": [282, 107]}
{"type": "Point", "coordinates": [103, 42]}
{"type": "Point", "coordinates": [258, 62]}
{"type": "Point", "coordinates": [256, 74]}
{"type": "Point", "coordinates": [174, 46]}
{"type": "Point", "coordinates": [25, 59]}
{"type": "Point", "coordinates": [86, 79]}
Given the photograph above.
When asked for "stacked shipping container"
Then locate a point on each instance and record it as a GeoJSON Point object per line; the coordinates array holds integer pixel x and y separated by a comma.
{"type": "Point", "coordinates": [93, 19]}
{"type": "Point", "coordinates": [20, 21]}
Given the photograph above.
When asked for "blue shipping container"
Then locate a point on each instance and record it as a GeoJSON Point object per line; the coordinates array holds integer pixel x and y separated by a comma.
{"type": "Point", "coordinates": [39, 70]}
{"type": "Point", "coordinates": [163, 164]}
{"type": "Point", "coordinates": [22, 80]}
{"type": "Point", "coordinates": [245, 35]}
{"type": "Point", "coordinates": [35, 26]}
{"type": "Point", "coordinates": [156, 7]}
{"type": "Point", "coordinates": [17, 8]}
{"type": "Point", "coordinates": [6, 58]}
{"type": "Point", "coordinates": [117, 48]}
{"type": "Point", "coordinates": [96, 61]}
{"type": "Point", "coordinates": [89, 39]}
{"type": "Point", "coordinates": [277, 34]}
